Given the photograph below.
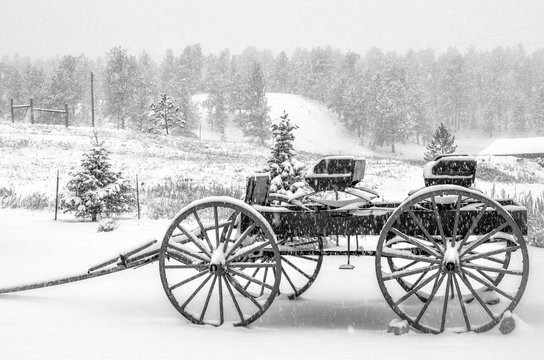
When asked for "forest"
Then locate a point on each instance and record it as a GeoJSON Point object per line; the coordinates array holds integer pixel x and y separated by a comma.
{"type": "Point", "coordinates": [386, 96]}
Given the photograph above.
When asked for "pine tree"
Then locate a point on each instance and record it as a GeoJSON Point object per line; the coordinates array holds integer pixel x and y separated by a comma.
{"type": "Point", "coordinates": [255, 122]}
{"type": "Point", "coordinates": [96, 189]}
{"type": "Point", "coordinates": [284, 168]}
{"type": "Point", "coordinates": [165, 115]}
{"type": "Point", "coordinates": [441, 143]}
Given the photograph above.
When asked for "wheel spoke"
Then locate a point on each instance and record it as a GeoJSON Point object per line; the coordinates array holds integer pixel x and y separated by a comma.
{"type": "Point", "coordinates": [490, 253]}
{"type": "Point", "coordinates": [192, 266]}
{"type": "Point", "coordinates": [445, 306]}
{"type": "Point", "coordinates": [216, 226]}
{"type": "Point", "coordinates": [187, 252]}
{"type": "Point", "coordinates": [203, 230]}
{"type": "Point", "coordinates": [456, 221]}
{"type": "Point", "coordinates": [483, 239]}
{"type": "Point", "coordinates": [305, 257]}
{"type": "Point", "coordinates": [404, 254]}
{"type": "Point", "coordinates": [251, 279]}
{"type": "Point", "coordinates": [226, 240]}
{"type": "Point", "coordinates": [476, 296]}
{"type": "Point", "coordinates": [472, 227]}
{"type": "Point", "coordinates": [264, 280]}
{"type": "Point", "coordinates": [196, 291]}
{"type": "Point", "coordinates": [175, 286]}
{"type": "Point", "coordinates": [207, 302]}
{"type": "Point", "coordinates": [239, 241]}
{"type": "Point", "coordinates": [425, 231]}
{"type": "Point", "coordinates": [221, 311]}
{"type": "Point", "coordinates": [399, 274]}
{"type": "Point", "coordinates": [489, 285]}
{"type": "Point", "coordinates": [236, 305]}
{"type": "Point", "coordinates": [492, 269]}
{"type": "Point", "coordinates": [241, 290]}
{"type": "Point", "coordinates": [180, 258]}
{"type": "Point", "coordinates": [247, 252]}
{"type": "Point", "coordinates": [437, 284]}
{"type": "Point", "coordinates": [194, 239]}
{"type": "Point", "coordinates": [415, 289]}
{"type": "Point", "coordinates": [407, 265]}
{"type": "Point", "coordinates": [413, 241]}
{"type": "Point", "coordinates": [289, 280]}
{"type": "Point", "coordinates": [253, 275]}
{"type": "Point", "coordinates": [296, 268]}
{"type": "Point", "coordinates": [461, 302]}
{"type": "Point", "coordinates": [438, 220]}
{"type": "Point", "coordinates": [251, 265]}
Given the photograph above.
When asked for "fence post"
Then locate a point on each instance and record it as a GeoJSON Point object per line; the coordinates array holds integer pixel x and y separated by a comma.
{"type": "Point", "coordinates": [57, 196]}
{"type": "Point", "coordinates": [66, 114]}
{"type": "Point", "coordinates": [32, 111]}
{"type": "Point", "coordinates": [138, 196]}
{"type": "Point", "coordinates": [12, 113]}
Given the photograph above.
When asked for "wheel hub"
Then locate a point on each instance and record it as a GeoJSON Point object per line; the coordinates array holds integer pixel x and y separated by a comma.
{"type": "Point", "coordinates": [451, 260]}
{"type": "Point", "coordinates": [217, 262]}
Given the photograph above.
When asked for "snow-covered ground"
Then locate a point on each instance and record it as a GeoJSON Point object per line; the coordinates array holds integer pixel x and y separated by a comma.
{"type": "Point", "coordinates": [127, 315]}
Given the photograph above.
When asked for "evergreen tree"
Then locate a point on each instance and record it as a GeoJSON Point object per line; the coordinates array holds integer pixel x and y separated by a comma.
{"type": "Point", "coordinates": [165, 116]}
{"type": "Point", "coordinates": [441, 143]}
{"type": "Point", "coordinates": [255, 121]}
{"type": "Point", "coordinates": [96, 189]}
{"type": "Point", "coordinates": [144, 92]}
{"type": "Point", "coordinates": [284, 168]}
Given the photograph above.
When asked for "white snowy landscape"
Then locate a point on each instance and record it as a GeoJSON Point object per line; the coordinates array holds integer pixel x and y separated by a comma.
{"type": "Point", "coordinates": [126, 315]}
{"type": "Point", "coordinates": [257, 179]}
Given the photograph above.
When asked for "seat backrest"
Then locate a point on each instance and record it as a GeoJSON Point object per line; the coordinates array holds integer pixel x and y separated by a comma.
{"type": "Point", "coordinates": [257, 187]}
{"type": "Point", "coordinates": [335, 173]}
{"type": "Point", "coordinates": [456, 169]}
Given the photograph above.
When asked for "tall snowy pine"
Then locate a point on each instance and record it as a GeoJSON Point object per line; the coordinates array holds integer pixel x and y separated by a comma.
{"type": "Point", "coordinates": [284, 168]}
{"type": "Point", "coordinates": [441, 143]}
{"type": "Point", "coordinates": [164, 115]}
{"type": "Point", "coordinates": [255, 121]}
{"type": "Point", "coordinates": [96, 189]}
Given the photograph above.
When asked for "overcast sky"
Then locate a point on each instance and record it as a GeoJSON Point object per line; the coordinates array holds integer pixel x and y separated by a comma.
{"type": "Point", "coordinates": [58, 27]}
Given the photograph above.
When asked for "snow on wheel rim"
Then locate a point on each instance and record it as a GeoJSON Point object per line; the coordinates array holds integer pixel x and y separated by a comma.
{"type": "Point", "coordinates": [207, 261]}
{"type": "Point", "coordinates": [458, 266]}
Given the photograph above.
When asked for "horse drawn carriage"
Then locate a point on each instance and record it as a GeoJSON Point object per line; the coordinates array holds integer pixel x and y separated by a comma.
{"type": "Point", "coordinates": [448, 257]}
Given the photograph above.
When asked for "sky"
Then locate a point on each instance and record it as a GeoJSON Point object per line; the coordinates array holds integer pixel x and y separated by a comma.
{"type": "Point", "coordinates": [58, 27]}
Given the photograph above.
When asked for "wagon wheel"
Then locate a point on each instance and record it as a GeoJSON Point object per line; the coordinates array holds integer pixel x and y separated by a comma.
{"type": "Point", "coordinates": [448, 254]}
{"type": "Point", "coordinates": [209, 247]}
{"type": "Point", "coordinates": [301, 261]}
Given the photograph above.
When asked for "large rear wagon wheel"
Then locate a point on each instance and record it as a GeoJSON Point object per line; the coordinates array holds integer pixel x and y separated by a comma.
{"type": "Point", "coordinates": [451, 258]}
{"type": "Point", "coordinates": [209, 254]}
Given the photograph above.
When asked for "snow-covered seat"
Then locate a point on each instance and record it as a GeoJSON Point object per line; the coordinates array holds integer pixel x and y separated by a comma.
{"type": "Point", "coordinates": [335, 173]}
{"type": "Point", "coordinates": [456, 169]}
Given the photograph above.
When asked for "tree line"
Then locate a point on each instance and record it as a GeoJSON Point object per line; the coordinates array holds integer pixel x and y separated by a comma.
{"type": "Point", "coordinates": [388, 97]}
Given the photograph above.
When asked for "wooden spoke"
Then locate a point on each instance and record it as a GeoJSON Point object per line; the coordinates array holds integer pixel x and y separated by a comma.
{"type": "Point", "coordinates": [445, 306]}
{"type": "Point", "coordinates": [404, 254]}
{"type": "Point", "coordinates": [236, 305]}
{"type": "Point", "coordinates": [486, 255]}
{"type": "Point", "coordinates": [192, 266]}
{"type": "Point", "coordinates": [247, 252]}
{"type": "Point", "coordinates": [249, 278]}
{"type": "Point", "coordinates": [187, 252]}
{"type": "Point", "coordinates": [203, 230]}
{"type": "Point", "coordinates": [180, 258]}
{"type": "Point", "coordinates": [207, 302]}
{"type": "Point", "coordinates": [415, 289]}
{"type": "Point", "coordinates": [438, 220]}
{"type": "Point", "coordinates": [252, 265]}
{"type": "Point", "coordinates": [239, 241]}
{"type": "Point", "coordinates": [406, 266]}
{"type": "Point", "coordinates": [418, 279]}
{"type": "Point", "coordinates": [253, 275]}
{"type": "Point", "coordinates": [437, 284]}
{"type": "Point", "coordinates": [241, 290]}
{"type": "Point", "coordinates": [196, 291]}
{"type": "Point", "coordinates": [264, 280]}
{"type": "Point", "coordinates": [400, 274]}
{"type": "Point", "coordinates": [489, 285]}
{"type": "Point", "coordinates": [296, 268]}
{"type": "Point", "coordinates": [425, 231]}
{"type": "Point", "coordinates": [473, 226]}
{"type": "Point", "coordinates": [476, 296]}
{"type": "Point", "coordinates": [461, 302]}
{"type": "Point", "coordinates": [492, 269]}
{"type": "Point", "coordinates": [306, 257]}
{"type": "Point", "coordinates": [216, 217]}
{"type": "Point", "coordinates": [483, 239]}
{"type": "Point", "coordinates": [226, 240]}
{"type": "Point", "coordinates": [486, 276]}
{"type": "Point", "coordinates": [415, 242]}
{"type": "Point", "coordinates": [456, 221]}
{"type": "Point", "coordinates": [288, 279]}
{"type": "Point", "coordinates": [175, 286]}
{"type": "Point", "coordinates": [221, 311]}
{"type": "Point", "coordinates": [194, 239]}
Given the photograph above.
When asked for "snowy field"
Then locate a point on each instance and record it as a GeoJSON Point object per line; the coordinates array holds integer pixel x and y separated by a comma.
{"type": "Point", "coordinates": [127, 315]}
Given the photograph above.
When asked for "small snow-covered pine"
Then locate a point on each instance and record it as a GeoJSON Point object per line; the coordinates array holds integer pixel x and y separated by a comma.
{"type": "Point", "coordinates": [441, 143]}
{"type": "Point", "coordinates": [96, 189]}
{"type": "Point", "coordinates": [285, 169]}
